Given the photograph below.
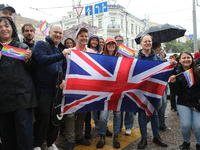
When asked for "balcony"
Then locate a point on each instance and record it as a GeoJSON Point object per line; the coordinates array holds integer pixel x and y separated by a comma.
{"type": "Point", "coordinates": [113, 27]}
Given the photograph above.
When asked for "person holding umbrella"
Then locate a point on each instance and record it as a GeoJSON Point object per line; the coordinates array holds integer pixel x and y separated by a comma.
{"type": "Point", "coordinates": [146, 53]}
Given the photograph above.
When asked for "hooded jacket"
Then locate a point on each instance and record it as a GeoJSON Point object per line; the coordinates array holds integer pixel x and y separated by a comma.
{"type": "Point", "coordinates": [48, 62]}
{"type": "Point", "coordinates": [16, 87]}
{"type": "Point", "coordinates": [98, 46]}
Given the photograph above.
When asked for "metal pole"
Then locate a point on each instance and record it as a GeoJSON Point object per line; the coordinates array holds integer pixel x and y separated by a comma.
{"type": "Point", "coordinates": [194, 26]}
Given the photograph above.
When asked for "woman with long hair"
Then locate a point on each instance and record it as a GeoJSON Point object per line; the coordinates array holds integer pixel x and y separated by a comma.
{"type": "Point", "coordinates": [110, 49]}
{"type": "Point", "coordinates": [69, 43]}
{"type": "Point", "coordinates": [188, 102]}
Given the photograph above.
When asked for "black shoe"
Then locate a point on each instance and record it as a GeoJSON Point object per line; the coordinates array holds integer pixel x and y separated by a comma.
{"type": "Point", "coordinates": [184, 146]}
{"type": "Point", "coordinates": [101, 142]}
{"type": "Point", "coordinates": [159, 141]}
{"type": "Point", "coordinates": [142, 144]}
{"type": "Point", "coordinates": [83, 141]}
{"type": "Point", "coordinates": [70, 146]}
{"type": "Point", "coordinates": [88, 136]}
{"type": "Point", "coordinates": [108, 133]}
{"type": "Point", "coordinates": [197, 147]}
{"type": "Point", "coordinates": [116, 143]}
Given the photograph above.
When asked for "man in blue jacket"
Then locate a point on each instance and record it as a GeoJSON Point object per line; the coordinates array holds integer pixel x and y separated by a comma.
{"type": "Point", "coordinates": [146, 53]}
{"type": "Point", "coordinates": [50, 58]}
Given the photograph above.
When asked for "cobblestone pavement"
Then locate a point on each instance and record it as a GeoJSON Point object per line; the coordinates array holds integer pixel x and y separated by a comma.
{"type": "Point", "coordinates": [172, 137]}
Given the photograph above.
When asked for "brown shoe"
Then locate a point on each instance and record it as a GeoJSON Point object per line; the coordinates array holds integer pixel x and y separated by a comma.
{"type": "Point", "coordinates": [159, 141]}
{"type": "Point", "coordinates": [142, 144]}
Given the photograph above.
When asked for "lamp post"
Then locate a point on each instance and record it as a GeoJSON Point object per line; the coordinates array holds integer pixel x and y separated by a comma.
{"type": "Point", "coordinates": [194, 26]}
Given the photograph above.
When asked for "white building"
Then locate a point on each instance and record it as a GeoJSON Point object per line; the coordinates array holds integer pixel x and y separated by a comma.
{"type": "Point", "coordinates": [116, 21]}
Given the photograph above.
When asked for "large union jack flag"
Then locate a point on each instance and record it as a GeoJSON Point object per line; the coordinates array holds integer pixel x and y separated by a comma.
{"type": "Point", "coordinates": [99, 82]}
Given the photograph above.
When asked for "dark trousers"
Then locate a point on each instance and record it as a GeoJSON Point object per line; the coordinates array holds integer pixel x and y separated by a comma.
{"type": "Point", "coordinates": [43, 126]}
{"type": "Point", "coordinates": [17, 130]}
{"type": "Point", "coordinates": [172, 98]}
{"type": "Point", "coordinates": [88, 123]}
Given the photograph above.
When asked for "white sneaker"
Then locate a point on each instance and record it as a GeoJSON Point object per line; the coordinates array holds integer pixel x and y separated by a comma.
{"type": "Point", "coordinates": [53, 147]}
{"type": "Point", "coordinates": [128, 132]}
{"type": "Point", "coordinates": [37, 148]}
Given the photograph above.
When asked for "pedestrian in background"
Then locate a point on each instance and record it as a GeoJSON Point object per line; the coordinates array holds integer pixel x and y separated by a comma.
{"type": "Point", "coordinates": [129, 120]}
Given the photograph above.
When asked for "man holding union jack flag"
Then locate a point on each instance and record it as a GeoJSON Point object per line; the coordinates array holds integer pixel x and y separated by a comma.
{"type": "Point", "coordinates": [146, 53]}
{"type": "Point", "coordinates": [77, 126]}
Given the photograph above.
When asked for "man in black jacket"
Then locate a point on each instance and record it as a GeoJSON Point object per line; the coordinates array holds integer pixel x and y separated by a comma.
{"type": "Point", "coordinates": [50, 58]}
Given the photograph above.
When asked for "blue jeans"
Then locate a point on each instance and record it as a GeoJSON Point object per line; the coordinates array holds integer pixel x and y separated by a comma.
{"type": "Point", "coordinates": [189, 117]}
{"type": "Point", "coordinates": [143, 124]}
{"type": "Point", "coordinates": [162, 105]}
{"type": "Point", "coordinates": [103, 120]}
{"type": "Point", "coordinates": [129, 120]}
{"type": "Point", "coordinates": [95, 118]}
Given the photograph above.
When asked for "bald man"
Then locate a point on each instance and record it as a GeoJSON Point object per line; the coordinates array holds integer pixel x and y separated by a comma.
{"type": "Point", "coordinates": [49, 58]}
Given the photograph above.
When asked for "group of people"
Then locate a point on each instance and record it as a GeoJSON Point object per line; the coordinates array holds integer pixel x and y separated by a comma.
{"type": "Point", "coordinates": [27, 91]}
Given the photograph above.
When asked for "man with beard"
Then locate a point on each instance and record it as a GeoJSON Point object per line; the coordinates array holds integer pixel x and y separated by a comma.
{"type": "Point", "coordinates": [28, 31]}
{"type": "Point", "coordinates": [94, 43]}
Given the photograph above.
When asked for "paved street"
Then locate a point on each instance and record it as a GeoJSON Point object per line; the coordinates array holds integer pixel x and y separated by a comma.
{"type": "Point", "coordinates": [172, 137]}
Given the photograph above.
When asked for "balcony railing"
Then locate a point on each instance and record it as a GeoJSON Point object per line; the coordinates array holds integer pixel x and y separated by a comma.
{"type": "Point", "coordinates": [113, 27]}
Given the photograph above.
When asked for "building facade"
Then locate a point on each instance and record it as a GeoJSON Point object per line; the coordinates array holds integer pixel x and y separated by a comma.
{"type": "Point", "coordinates": [116, 21]}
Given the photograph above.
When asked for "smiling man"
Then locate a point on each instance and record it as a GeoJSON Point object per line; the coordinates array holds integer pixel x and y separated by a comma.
{"type": "Point", "coordinates": [146, 53]}
{"type": "Point", "coordinates": [74, 129]}
{"type": "Point", "coordinates": [49, 58]}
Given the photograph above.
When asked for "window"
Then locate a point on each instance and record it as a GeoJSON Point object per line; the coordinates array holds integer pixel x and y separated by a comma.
{"type": "Point", "coordinates": [127, 25]}
{"type": "Point", "coordinates": [122, 23]}
{"type": "Point", "coordinates": [136, 30]}
{"type": "Point", "coordinates": [132, 43]}
{"type": "Point", "coordinates": [100, 23]}
{"type": "Point", "coordinates": [112, 22]}
{"type": "Point", "coordinates": [131, 28]}
{"type": "Point", "coordinates": [127, 42]}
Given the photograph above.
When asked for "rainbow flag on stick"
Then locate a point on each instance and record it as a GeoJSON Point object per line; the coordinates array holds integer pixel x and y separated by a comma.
{"type": "Point", "coordinates": [126, 51]}
{"type": "Point", "coordinates": [13, 52]}
{"type": "Point", "coordinates": [43, 28]}
{"type": "Point", "coordinates": [189, 77]}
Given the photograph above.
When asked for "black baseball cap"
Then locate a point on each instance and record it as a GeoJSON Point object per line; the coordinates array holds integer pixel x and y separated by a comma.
{"type": "Point", "coordinates": [6, 6]}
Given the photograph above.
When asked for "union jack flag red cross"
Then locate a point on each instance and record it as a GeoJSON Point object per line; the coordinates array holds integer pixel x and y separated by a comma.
{"type": "Point", "coordinates": [99, 82]}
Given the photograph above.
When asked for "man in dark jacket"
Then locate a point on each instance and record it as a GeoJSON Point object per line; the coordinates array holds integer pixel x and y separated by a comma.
{"type": "Point", "coordinates": [49, 57]}
{"type": "Point", "coordinates": [146, 53]}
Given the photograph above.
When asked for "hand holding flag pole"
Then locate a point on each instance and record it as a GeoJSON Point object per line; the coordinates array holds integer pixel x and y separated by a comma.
{"type": "Point", "coordinates": [188, 76]}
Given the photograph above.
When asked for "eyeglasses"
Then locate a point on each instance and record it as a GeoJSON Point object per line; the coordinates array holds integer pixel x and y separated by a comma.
{"type": "Point", "coordinates": [119, 41]}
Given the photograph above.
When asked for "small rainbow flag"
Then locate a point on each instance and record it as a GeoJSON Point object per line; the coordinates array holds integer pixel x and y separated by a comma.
{"type": "Point", "coordinates": [13, 52]}
{"type": "Point", "coordinates": [101, 51]}
{"type": "Point", "coordinates": [43, 28]}
{"type": "Point", "coordinates": [189, 77]}
{"type": "Point", "coordinates": [126, 51]}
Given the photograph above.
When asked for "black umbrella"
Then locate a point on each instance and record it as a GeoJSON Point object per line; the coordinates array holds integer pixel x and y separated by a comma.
{"type": "Point", "coordinates": [162, 33]}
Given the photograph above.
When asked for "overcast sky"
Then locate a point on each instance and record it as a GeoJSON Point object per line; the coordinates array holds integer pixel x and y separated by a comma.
{"type": "Point", "coordinates": [177, 12]}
